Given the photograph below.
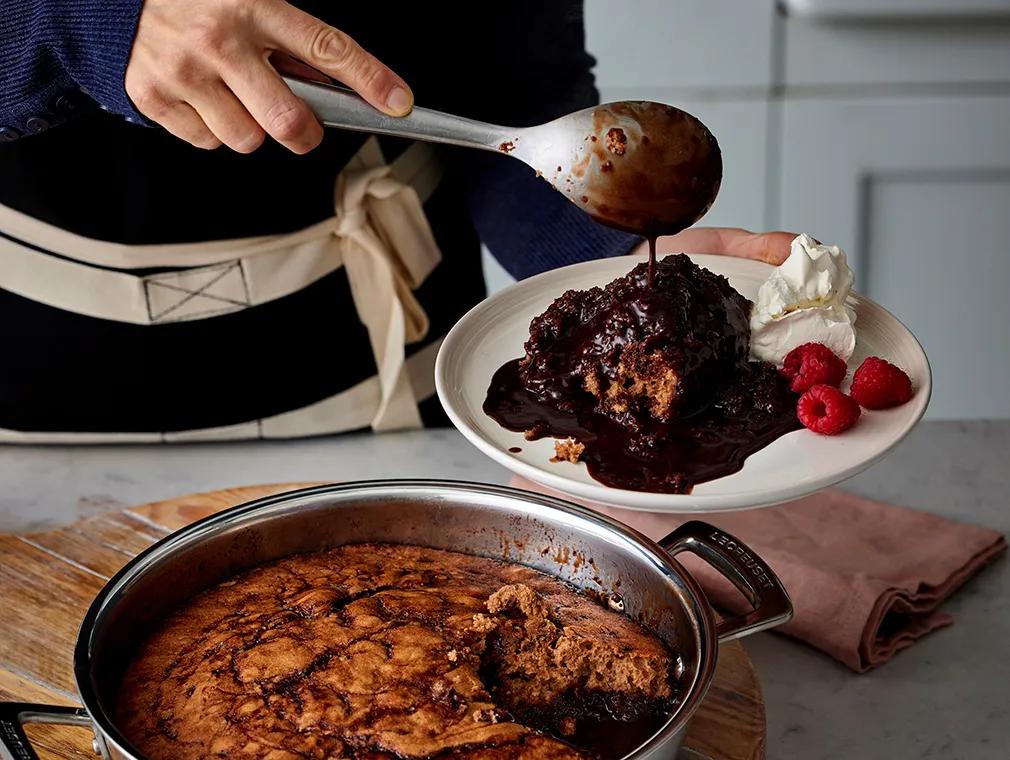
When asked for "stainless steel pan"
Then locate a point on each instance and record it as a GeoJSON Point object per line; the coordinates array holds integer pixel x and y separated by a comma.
{"type": "Point", "coordinates": [492, 521]}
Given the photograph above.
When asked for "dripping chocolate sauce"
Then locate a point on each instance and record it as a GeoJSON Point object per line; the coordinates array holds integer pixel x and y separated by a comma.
{"type": "Point", "coordinates": [652, 261]}
{"type": "Point", "coordinates": [655, 170]}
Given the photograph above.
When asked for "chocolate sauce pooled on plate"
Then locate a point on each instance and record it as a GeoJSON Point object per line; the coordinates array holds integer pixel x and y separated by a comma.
{"type": "Point", "coordinates": [654, 381]}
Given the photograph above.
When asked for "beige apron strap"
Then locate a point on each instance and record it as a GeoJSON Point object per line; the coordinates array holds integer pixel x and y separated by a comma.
{"type": "Point", "coordinates": [220, 277]}
{"type": "Point", "coordinates": [379, 233]}
{"type": "Point", "coordinates": [121, 256]}
{"type": "Point", "coordinates": [388, 249]}
{"type": "Point", "coordinates": [186, 294]}
{"type": "Point", "coordinates": [348, 410]}
{"type": "Point", "coordinates": [417, 166]}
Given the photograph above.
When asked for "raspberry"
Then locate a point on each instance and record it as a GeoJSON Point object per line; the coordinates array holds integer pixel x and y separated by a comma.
{"type": "Point", "coordinates": [812, 364]}
{"type": "Point", "coordinates": [878, 384]}
{"type": "Point", "coordinates": [826, 410]}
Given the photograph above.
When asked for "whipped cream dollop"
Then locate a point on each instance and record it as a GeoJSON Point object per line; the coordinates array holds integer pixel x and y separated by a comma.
{"type": "Point", "coordinates": [803, 301]}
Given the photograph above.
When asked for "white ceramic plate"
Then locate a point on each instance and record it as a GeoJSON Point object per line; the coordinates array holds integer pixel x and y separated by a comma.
{"type": "Point", "coordinates": [797, 464]}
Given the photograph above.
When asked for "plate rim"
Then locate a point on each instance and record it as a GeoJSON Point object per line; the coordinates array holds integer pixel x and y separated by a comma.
{"type": "Point", "coordinates": [651, 500]}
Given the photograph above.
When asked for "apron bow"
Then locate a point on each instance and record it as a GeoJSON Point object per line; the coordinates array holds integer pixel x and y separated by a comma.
{"type": "Point", "coordinates": [388, 249]}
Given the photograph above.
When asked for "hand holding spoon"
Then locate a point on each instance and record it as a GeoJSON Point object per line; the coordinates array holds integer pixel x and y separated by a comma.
{"type": "Point", "coordinates": [643, 167]}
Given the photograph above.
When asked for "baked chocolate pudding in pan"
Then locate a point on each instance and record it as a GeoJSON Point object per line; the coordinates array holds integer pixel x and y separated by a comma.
{"type": "Point", "coordinates": [648, 383]}
{"type": "Point", "coordinates": [247, 634]}
{"type": "Point", "coordinates": [383, 650]}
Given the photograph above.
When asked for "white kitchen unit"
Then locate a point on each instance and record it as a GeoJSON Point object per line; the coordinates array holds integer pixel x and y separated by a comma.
{"type": "Point", "coordinates": [903, 10]}
{"type": "Point", "coordinates": [869, 44]}
{"type": "Point", "coordinates": [894, 141]}
{"type": "Point", "coordinates": [687, 45]}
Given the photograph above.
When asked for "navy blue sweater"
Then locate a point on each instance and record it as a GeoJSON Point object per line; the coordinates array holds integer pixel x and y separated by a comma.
{"type": "Point", "coordinates": [52, 49]}
{"type": "Point", "coordinates": [57, 55]}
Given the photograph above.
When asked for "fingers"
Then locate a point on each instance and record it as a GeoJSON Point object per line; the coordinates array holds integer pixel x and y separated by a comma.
{"type": "Point", "coordinates": [184, 122]}
{"type": "Point", "coordinates": [275, 108]}
{"type": "Point", "coordinates": [227, 118]}
{"type": "Point", "coordinates": [703, 240]}
{"type": "Point", "coordinates": [285, 64]}
{"type": "Point", "coordinates": [334, 53]}
{"type": "Point", "coordinates": [201, 70]}
{"type": "Point", "coordinates": [214, 116]}
{"type": "Point", "coordinates": [180, 119]}
{"type": "Point", "coordinates": [770, 247]}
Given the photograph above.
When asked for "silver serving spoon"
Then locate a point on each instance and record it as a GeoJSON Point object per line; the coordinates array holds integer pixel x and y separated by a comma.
{"type": "Point", "coordinates": [644, 167]}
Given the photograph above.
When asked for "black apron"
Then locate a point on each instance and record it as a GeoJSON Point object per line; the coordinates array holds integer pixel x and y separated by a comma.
{"type": "Point", "coordinates": [104, 179]}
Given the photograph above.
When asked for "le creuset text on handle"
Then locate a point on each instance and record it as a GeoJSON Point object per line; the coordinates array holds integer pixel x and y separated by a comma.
{"type": "Point", "coordinates": [770, 603]}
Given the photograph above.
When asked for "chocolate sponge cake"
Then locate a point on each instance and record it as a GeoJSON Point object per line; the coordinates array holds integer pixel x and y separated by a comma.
{"type": "Point", "coordinates": [394, 651]}
{"type": "Point", "coordinates": [649, 384]}
{"type": "Point", "coordinates": [640, 351]}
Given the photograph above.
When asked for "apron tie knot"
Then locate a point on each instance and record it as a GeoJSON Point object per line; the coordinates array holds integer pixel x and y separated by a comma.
{"type": "Point", "coordinates": [388, 249]}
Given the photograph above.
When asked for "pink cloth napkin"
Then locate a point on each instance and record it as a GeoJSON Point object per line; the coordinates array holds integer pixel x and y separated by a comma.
{"type": "Point", "coordinates": [866, 578]}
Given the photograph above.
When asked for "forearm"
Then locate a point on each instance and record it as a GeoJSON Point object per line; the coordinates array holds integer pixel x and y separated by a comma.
{"type": "Point", "coordinates": [51, 51]}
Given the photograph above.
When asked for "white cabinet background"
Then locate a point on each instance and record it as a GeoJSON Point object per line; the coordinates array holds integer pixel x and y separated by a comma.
{"type": "Point", "coordinates": [888, 135]}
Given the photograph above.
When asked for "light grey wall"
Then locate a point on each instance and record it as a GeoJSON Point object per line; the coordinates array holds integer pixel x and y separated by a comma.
{"type": "Point", "coordinates": [881, 126]}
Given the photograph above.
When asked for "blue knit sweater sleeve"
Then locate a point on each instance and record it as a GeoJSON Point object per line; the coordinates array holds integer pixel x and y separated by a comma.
{"type": "Point", "coordinates": [51, 50]}
{"type": "Point", "coordinates": [527, 225]}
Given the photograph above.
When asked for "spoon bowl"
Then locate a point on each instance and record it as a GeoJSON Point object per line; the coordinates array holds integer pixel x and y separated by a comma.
{"type": "Point", "coordinates": [643, 167]}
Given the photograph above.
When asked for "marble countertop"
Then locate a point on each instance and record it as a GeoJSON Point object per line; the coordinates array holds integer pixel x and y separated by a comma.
{"type": "Point", "coordinates": [946, 697]}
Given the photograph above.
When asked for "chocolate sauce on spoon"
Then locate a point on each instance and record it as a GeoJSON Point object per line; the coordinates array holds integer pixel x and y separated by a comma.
{"type": "Point", "coordinates": [648, 168]}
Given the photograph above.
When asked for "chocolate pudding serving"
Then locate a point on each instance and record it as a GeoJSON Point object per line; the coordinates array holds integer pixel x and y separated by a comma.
{"type": "Point", "coordinates": [647, 383]}
{"type": "Point", "coordinates": [647, 380]}
{"type": "Point", "coordinates": [396, 651]}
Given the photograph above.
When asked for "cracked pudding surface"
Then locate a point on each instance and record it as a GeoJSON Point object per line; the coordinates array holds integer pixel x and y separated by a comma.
{"type": "Point", "coordinates": [381, 651]}
{"type": "Point", "coordinates": [654, 381]}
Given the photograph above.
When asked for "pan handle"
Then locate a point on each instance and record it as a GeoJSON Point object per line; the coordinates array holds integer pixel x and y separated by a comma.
{"type": "Point", "coordinates": [748, 572]}
{"type": "Point", "coordinates": [14, 744]}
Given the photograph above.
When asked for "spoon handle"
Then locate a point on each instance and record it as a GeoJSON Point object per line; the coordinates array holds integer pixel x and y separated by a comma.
{"type": "Point", "coordinates": [338, 107]}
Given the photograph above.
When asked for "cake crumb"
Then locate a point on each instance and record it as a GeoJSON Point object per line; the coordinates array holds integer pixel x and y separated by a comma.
{"type": "Point", "coordinates": [518, 596]}
{"type": "Point", "coordinates": [568, 450]}
{"type": "Point", "coordinates": [489, 715]}
{"type": "Point", "coordinates": [453, 655]}
{"type": "Point", "coordinates": [482, 623]}
{"type": "Point", "coordinates": [617, 141]}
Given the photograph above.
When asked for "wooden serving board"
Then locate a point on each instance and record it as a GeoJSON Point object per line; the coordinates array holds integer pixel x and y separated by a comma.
{"type": "Point", "coordinates": [47, 581]}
